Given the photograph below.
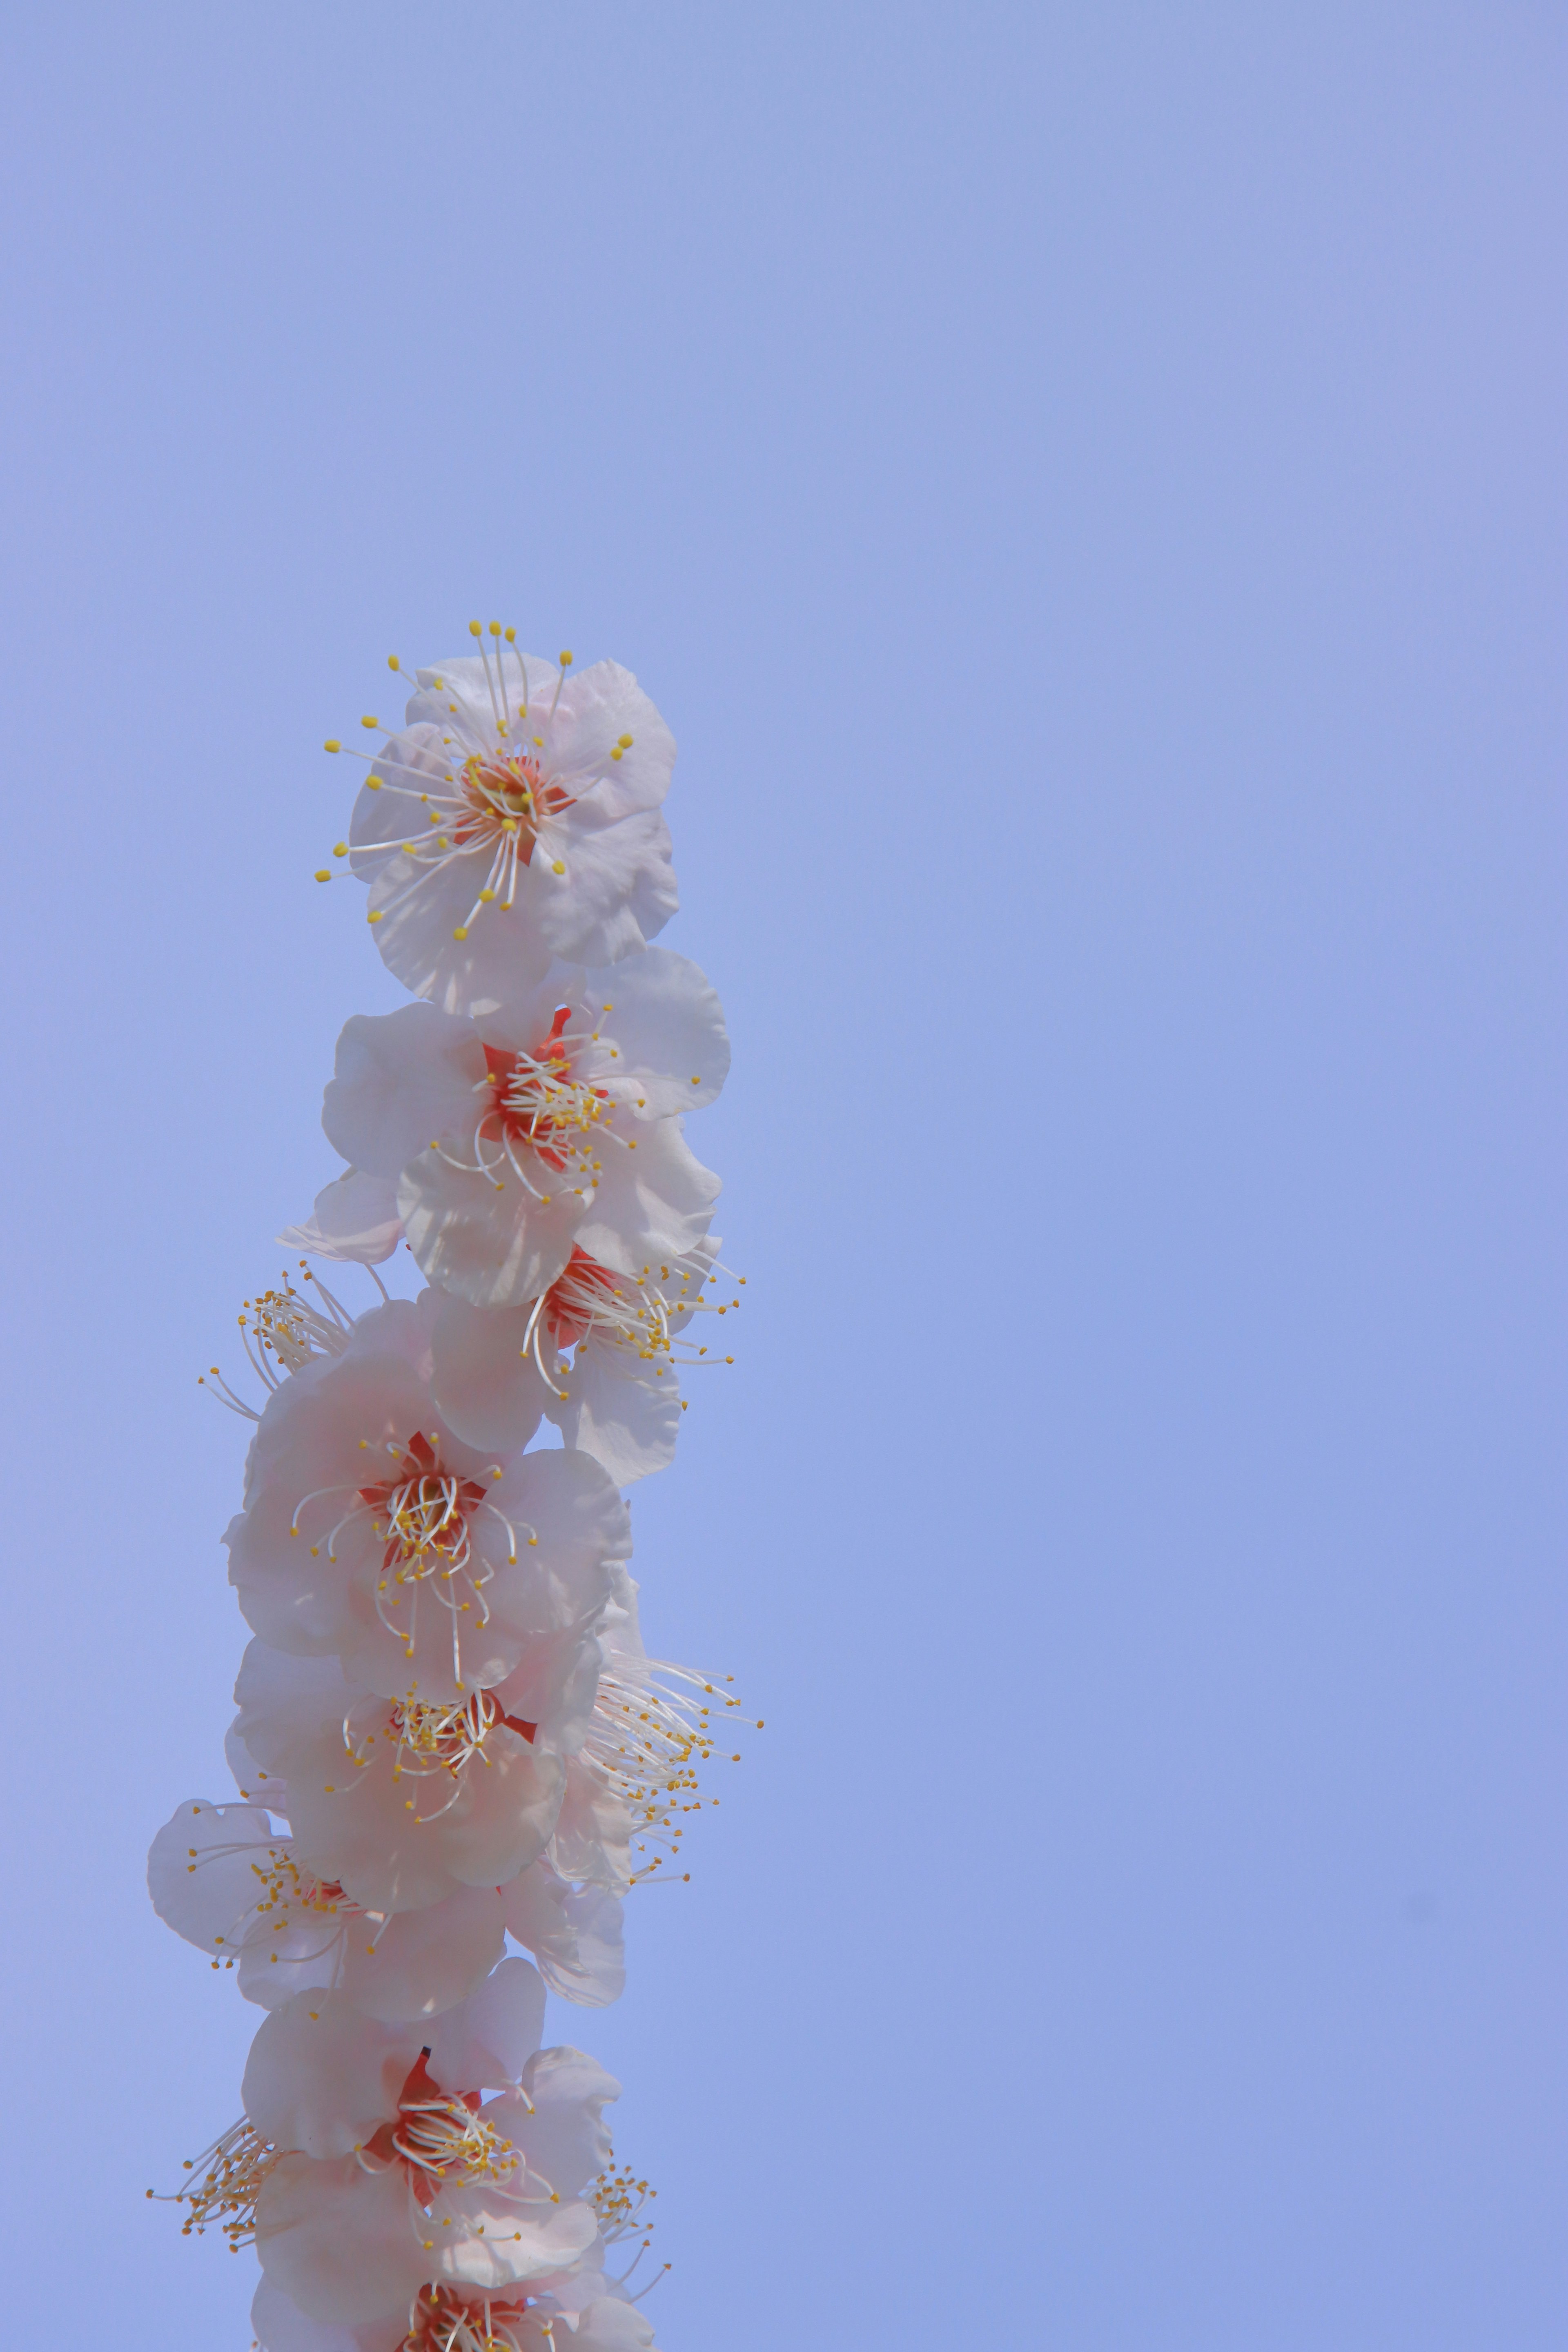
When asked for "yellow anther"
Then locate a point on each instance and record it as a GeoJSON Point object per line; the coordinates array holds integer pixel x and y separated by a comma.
{"type": "Point", "coordinates": [512, 636]}
{"type": "Point", "coordinates": [323, 873]}
{"type": "Point", "coordinates": [373, 918]}
{"type": "Point", "coordinates": [461, 932]}
{"type": "Point", "coordinates": [370, 723]}
{"type": "Point", "coordinates": [697, 1082]}
{"type": "Point", "coordinates": [475, 630]}
{"type": "Point", "coordinates": [392, 662]}
{"type": "Point", "coordinates": [558, 868]}
{"type": "Point", "coordinates": [339, 849]}
{"type": "Point", "coordinates": [495, 628]}
{"type": "Point", "coordinates": [617, 752]}
{"type": "Point", "coordinates": [565, 661]}
{"type": "Point", "coordinates": [626, 742]}
{"type": "Point", "coordinates": [372, 783]}
{"type": "Point", "coordinates": [331, 744]}
{"type": "Point", "coordinates": [485, 898]}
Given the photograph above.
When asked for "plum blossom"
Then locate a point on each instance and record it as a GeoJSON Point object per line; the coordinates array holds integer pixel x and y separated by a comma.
{"type": "Point", "coordinates": [371, 1531]}
{"type": "Point", "coordinates": [400, 1802]}
{"type": "Point", "coordinates": [513, 818]}
{"type": "Point", "coordinates": [587, 2311]}
{"type": "Point", "coordinates": [393, 2172]}
{"type": "Point", "coordinates": [227, 1880]}
{"type": "Point", "coordinates": [555, 1124]}
{"type": "Point", "coordinates": [599, 1353]}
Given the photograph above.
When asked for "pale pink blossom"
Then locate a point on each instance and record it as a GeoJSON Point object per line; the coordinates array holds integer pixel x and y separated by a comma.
{"type": "Point", "coordinates": [513, 818]}
{"type": "Point", "coordinates": [599, 1353]}
{"type": "Point", "coordinates": [394, 2172]}
{"type": "Point", "coordinates": [449, 2319]}
{"type": "Point", "coordinates": [400, 1802]}
{"type": "Point", "coordinates": [225, 1878]}
{"type": "Point", "coordinates": [372, 1531]}
{"type": "Point", "coordinates": [553, 1124]}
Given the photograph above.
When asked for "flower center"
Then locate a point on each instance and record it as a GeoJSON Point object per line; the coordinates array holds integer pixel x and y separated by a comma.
{"type": "Point", "coordinates": [441, 2321]}
{"type": "Point", "coordinates": [506, 796]}
{"type": "Point", "coordinates": [424, 1515]}
{"type": "Point", "coordinates": [445, 1739]}
{"type": "Point", "coordinates": [444, 2142]}
{"type": "Point", "coordinates": [536, 1101]}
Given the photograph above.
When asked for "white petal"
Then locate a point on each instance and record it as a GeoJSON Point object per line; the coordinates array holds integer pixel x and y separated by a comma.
{"type": "Point", "coordinates": [355, 1218]}
{"type": "Point", "coordinates": [566, 2138]}
{"type": "Point", "coordinates": [400, 1079]}
{"type": "Point", "coordinates": [486, 1388]}
{"type": "Point", "coordinates": [322, 2077]}
{"type": "Point", "coordinates": [487, 2039]}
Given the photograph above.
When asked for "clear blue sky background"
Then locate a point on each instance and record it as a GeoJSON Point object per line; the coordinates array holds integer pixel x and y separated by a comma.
{"type": "Point", "coordinates": [1085, 486]}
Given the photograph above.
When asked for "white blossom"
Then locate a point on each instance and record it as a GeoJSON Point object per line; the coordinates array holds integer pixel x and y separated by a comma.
{"type": "Point", "coordinates": [600, 1353]}
{"type": "Point", "coordinates": [371, 1531]}
{"type": "Point", "coordinates": [225, 1878]}
{"type": "Point", "coordinates": [513, 818]}
{"type": "Point", "coordinates": [401, 1802]}
{"type": "Point", "coordinates": [556, 1122]}
{"type": "Point", "coordinates": [394, 2172]}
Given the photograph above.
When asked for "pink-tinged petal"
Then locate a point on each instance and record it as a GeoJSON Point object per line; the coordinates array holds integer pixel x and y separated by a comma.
{"type": "Point", "coordinates": [496, 1242]}
{"type": "Point", "coordinates": [653, 1204]}
{"type": "Point", "coordinates": [201, 1871]}
{"type": "Point", "coordinates": [608, 2325]}
{"type": "Point", "coordinates": [621, 888]}
{"type": "Point", "coordinates": [484, 1379]}
{"type": "Point", "coordinates": [341, 2243]}
{"type": "Point", "coordinates": [497, 2241]}
{"type": "Point", "coordinates": [355, 1218]}
{"type": "Point", "coordinates": [594, 1831]}
{"type": "Point", "coordinates": [575, 1935]}
{"type": "Point", "coordinates": [565, 2138]}
{"type": "Point", "coordinates": [489, 2038]}
{"type": "Point", "coordinates": [417, 1964]}
{"type": "Point", "coordinates": [281, 2327]}
{"type": "Point", "coordinates": [322, 2077]}
{"type": "Point", "coordinates": [400, 1078]}
{"type": "Point", "coordinates": [620, 1408]}
{"type": "Point", "coordinates": [659, 1022]}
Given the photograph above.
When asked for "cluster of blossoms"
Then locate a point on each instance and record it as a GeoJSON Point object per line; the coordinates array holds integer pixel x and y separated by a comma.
{"type": "Point", "coordinates": [448, 1731]}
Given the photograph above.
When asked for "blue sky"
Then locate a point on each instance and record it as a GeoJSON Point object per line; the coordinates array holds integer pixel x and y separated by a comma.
{"type": "Point", "coordinates": [1085, 485]}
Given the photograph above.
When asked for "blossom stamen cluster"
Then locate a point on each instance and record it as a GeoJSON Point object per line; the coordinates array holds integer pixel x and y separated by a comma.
{"type": "Point", "coordinates": [449, 1732]}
